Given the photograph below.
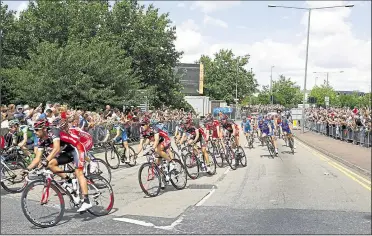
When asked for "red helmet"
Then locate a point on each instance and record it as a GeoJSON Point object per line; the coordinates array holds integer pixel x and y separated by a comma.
{"type": "Point", "coordinates": [41, 124]}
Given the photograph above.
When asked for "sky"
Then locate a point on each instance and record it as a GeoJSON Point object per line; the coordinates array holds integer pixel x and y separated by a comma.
{"type": "Point", "coordinates": [340, 38]}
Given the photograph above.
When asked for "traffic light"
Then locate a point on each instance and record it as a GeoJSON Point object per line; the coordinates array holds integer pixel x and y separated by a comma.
{"type": "Point", "coordinates": [311, 100]}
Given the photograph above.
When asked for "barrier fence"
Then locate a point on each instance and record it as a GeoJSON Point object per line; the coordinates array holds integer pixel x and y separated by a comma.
{"type": "Point", "coordinates": [102, 133]}
{"type": "Point", "coordinates": [358, 136]}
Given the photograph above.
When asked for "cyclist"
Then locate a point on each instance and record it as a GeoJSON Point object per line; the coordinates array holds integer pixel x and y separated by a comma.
{"type": "Point", "coordinates": [247, 128]}
{"type": "Point", "coordinates": [267, 130]}
{"type": "Point", "coordinates": [161, 142]}
{"type": "Point", "coordinates": [232, 129]}
{"type": "Point", "coordinates": [287, 131]}
{"type": "Point", "coordinates": [12, 138]}
{"type": "Point", "coordinates": [122, 136]}
{"type": "Point", "coordinates": [69, 149]}
{"type": "Point", "coordinates": [29, 140]}
{"type": "Point", "coordinates": [197, 135]}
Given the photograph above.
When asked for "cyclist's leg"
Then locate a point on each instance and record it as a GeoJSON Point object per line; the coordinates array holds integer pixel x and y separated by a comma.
{"type": "Point", "coordinates": [79, 158]}
{"type": "Point", "coordinates": [204, 150]}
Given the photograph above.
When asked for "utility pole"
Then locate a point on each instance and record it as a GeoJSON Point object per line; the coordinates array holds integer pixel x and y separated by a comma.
{"type": "Point", "coordinates": [271, 86]}
{"type": "Point", "coordinates": [307, 47]}
{"type": "Point", "coordinates": [1, 56]}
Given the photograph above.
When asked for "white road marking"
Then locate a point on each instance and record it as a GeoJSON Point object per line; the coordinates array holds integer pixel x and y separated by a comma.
{"type": "Point", "coordinates": [206, 197]}
{"type": "Point", "coordinates": [137, 222]}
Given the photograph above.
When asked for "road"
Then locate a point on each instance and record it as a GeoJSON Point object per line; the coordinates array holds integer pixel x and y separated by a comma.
{"type": "Point", "coordinates": [305, 193]}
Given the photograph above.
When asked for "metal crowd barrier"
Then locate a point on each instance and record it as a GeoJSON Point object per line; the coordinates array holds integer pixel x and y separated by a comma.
{"type": "Point", "coordinates": [101, 133]}
{"type": "Point", "coordinates": [358, 136]}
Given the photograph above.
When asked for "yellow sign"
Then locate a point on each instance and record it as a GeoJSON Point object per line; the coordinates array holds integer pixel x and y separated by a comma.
{"type": "Point", "coordinates": [294, 123]}
{"type": "Point", "coordinates": [201, 79]}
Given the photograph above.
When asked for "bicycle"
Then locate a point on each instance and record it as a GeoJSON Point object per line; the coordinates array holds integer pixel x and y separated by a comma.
{"type": "Point", "coordinates": [192, 160]}
{"type": "Point", "coordinates": [239, 153]}
{"type": "Point", "coordinates": [291, 143]}
{"type": "Point", "coordinates": [270, 146]}
{"type": "Point", "coordinates": [112, 153]}
{"type": "Point", "coordinates": [158, 173]}
{"type": "Point", "coordinates": [218, 152]}
{"type": "Point", "coordinates": [96, 183]}
{"type": "Point", "coordinates": [250, 139]}
{"type": "Point", "coordinates": [11, 172]}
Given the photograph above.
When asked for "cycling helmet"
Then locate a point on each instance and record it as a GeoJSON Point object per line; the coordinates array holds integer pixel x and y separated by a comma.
{"type": "Point", "coordinates": [244, 118]}
{"type": "Point", "coordinates": [39, 124]}
{"type": "Point", "coordinates": [13, 123]}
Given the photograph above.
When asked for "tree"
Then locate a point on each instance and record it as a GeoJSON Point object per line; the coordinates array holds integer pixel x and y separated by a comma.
{"type": "Point", "coordinates": [264, 95]}
{"type": "Point", "coordinates": [320, 92]}
{"type": "Point", "coordinates": [146, 37]}
{"type": "Point", "coordinates": [286, 92]}
{"type": "Point", "coordinates": [222, 73]}
{"type": "Point", "coordinates": [89, 75]}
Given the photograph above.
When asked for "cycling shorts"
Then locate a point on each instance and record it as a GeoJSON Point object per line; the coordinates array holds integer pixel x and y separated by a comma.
{"type": "Point", "coordinates": [71, 155]}
{"type": "Point", "coordinates": [123, 137]}
{"type": "Point", "coordinates": [288, 131]}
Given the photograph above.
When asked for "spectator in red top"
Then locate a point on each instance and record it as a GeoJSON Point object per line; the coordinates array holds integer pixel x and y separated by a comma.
{"type": "Point", "coordinates": [355, 110]}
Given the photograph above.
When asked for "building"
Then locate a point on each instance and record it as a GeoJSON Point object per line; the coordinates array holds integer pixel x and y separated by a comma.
{"type": "Point", "coordinates": [349, 93]}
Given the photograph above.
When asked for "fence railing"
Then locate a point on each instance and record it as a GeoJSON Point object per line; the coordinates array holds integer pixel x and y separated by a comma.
{"type": "Point", "coordinates": [358, 136]}
{"type": "Point", "coordinates": [102, 133]}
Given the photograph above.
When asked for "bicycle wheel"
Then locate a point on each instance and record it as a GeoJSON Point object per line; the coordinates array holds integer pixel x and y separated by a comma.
{"type": "Point", "coordinates": [99, 167]}
{"type": "Point", "coordinates": [31, 199]}
{"type": "Point", "coordinates": [217, 156]}
{"type": "Point", "coordinates": [212, 164]}
{"type": "Point", "coordinates": [178, 176]}
{"type": "Point", "coordinates": [151, 172]}
{"type": "Point", "coordinates": [112, 158]}
{"type": "Point", "coordinates": [242, 156]}
{"type": "Point", "coordinates": [101, 195]}
{"type": "Point", "coordinates": [132, 156]}
{"type": "Point", "coordinates": [290, 144]}
{"type": "Point", "coordinates": [269, 147]}
{"type": "Point", "coordinates": [192, 165]}
{"type": "Point", "coordinates": [11, 179]}
{"type": "Point", "coordinates": [230, 158]}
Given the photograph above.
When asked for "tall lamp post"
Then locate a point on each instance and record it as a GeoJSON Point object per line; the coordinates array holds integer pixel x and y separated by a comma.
{"type": "Point", "coordinates": [309, 9]}
{"type": "Point", "coordinates": [271, 86]}
{"type": "Point", "coordinates": [327, 73]}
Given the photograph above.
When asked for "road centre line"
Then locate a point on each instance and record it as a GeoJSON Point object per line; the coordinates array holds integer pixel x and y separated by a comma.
{"type": "Point", "coordinates": [352, 175]}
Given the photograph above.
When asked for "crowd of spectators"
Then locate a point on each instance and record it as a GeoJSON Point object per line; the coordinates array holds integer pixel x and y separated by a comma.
{"type": "Point", "coordinates": [355, 119]}
{"type": "Point", "coordinates": [87, 119]}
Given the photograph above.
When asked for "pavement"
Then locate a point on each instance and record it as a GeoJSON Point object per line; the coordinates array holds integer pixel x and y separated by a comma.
{"type": "Point", "coordinates": [354, 156]}
{"type": "Point", "coordinates": [304, 193]}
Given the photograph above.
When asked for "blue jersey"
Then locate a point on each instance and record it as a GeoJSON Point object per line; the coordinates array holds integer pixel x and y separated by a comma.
{"type": "Point", "coordinates": [246, 126]}
{"type": "Point", "coordinates": [265, 127]}
{"type": "Point", "coordinates": [285, 126]}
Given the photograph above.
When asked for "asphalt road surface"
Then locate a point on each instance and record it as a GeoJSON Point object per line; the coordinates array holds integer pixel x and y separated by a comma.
{"type": "Point", "coordinates": [304, 193]}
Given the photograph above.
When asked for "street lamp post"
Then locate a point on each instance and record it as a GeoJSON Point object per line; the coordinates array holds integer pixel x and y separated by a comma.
{"type": "Point", "coordinates": [271, 86]}
{"type": "Point", "coordinates": [309, 9]}
{"type": "Point", "coordinates": [327, 73]}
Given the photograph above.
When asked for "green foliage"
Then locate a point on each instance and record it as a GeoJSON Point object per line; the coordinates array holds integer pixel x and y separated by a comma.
{"type": "Point", "coordinates": [320, 92]}
{"type": "Point", "coordinates": [89, 75]}
{"type": "Point", "coordinates": [50, 36]}
{"type": "Point", "coordinates": [285, 92]}
{"type": "Point", "coordinates": [223, 72]}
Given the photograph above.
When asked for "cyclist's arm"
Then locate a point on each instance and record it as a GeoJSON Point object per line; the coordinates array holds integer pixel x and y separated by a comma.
{"type": "Point", "coordinates": [118, 132]}
{"type": "Point", "coordinates": [56, 149]}
{"type": "Point", "coordinates": [37, 159]}
{"type": "Point", "coordinates": [156, 142]}
{"type": "Point", "coordinates": [196, 136]}
{"type": "Point", "coordinates": [23, 142]}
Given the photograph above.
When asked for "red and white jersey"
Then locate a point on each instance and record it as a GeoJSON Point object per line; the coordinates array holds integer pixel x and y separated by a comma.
{"type": "Point", "coordinates": [84, 137]}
